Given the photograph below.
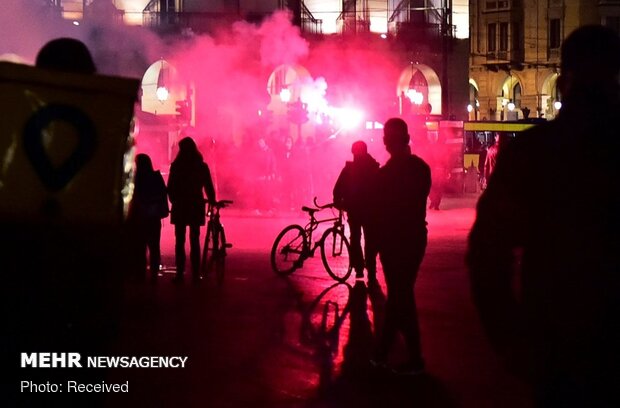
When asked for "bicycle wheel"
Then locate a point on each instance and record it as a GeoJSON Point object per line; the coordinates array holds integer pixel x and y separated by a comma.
{"type": "Point", "coordinates": [288, 251]}
{"type": "Point", "coordinates": [207, 249]}
{"type": "Point", "coordinates": [335, 254]}
{"type": "Point", "coordinates": [219, 257]}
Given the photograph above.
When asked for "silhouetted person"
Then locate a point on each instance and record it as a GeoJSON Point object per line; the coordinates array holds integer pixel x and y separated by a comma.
{"type": "Point", "coordinates": [554, 198]}
{"type": "Point", "coordinates": [491, 157]}
{"type": "Point", "coordinates": [292, 174]}
{"type": "Point", "coordinates": [148, 206]}
{"type": "Point", "coordinates": [189, 180]}
{"type": "Point", "coordinates": [265, 176]}
{"type": "Point", "coordinates": [440, 171]}
{"type": "Point", "coordinates": [403, 186]}
{"type": "Point", "coordinates": [353, 193]}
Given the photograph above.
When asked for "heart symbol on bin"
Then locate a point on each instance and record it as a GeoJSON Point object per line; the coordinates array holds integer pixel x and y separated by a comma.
{"type": "Point", "coordinates": [57, 177]}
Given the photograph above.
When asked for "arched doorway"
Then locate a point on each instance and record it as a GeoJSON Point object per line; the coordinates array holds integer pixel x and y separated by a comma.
{"type": "Point", "coordinates": [550, 94]}
{"type": "Point", "coordinates": [419, 90]}
{"type": "Point", "coordinates": [509, 98]}
{"type": "Point", "coordinates": [165, 112]}
{"type": "Point", "coordinates": [473, 107]}
{"type": "Point", "coordinates": [162, 88]}
{"type": "Point", "coordinates": [287, 87]}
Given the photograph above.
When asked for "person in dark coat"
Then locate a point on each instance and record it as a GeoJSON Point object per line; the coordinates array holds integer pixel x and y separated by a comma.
{"type": "Point", "coordinates": [553, 203]}
{"type": "Point", "coordinates": [353, 193]}
{"type": "Point", "coordinates": [403, 186]}
{"type": "Point", "coordinates": [189, 180]}
{"type": "Point", "coordinates": [148, 206]}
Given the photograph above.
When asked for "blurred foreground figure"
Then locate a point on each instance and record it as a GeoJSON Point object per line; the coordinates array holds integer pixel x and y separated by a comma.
{"type": "Point", "coordinates": [403, 185]}
{"type": "Point", "coordinates": [62, 201]}
{"type": "Point", "coordinates": [66, 55]}
{"type": "Point", "coordinates": [554, 199]}
{"type": "Point", "coordinates": [353, 193]}
{"type": "Point", "coordinates": [189, 180]}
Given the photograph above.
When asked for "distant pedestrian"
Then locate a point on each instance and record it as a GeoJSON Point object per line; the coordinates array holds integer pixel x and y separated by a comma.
{"type": "Point", "coordinates": [491, 157]}
{"type": "Point", "coordinates": [403, 186]}
{"type": "Point", "coordinates": [149, 205]}
{"type": "Point", "coordinates": [353, 193]}
{"type": "Point", "coordinates": [265, 177]}
{"type": "Point", "coordinates": [189, 180]}
{"type": "Point", "coordinates": [438, 160]}
{"type": "Point", "coordinates": [291, 173]}
{"type": "Point", "coordinates": [554, 198]}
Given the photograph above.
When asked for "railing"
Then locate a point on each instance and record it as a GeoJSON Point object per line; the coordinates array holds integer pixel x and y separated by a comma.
{"type": "Point", "coordinates": [505, 56]}
{"type": "Point", "coordinates": [310, 24]}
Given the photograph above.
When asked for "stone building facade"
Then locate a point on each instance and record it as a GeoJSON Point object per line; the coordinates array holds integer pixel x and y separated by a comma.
{"type": "Point", "coordinates": [515, 53]}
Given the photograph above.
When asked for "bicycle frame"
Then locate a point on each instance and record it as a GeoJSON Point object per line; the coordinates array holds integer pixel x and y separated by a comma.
{"type": "Point", "coordinates": [295, 244]}
{"type": "Point", "coordinates": [312, 226]}
{"type": "Point", "coordinates": [214, 232]}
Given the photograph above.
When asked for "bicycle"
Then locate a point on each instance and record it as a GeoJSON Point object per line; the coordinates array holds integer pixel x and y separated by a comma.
{"type": "Point", "coordinates": [215, 245]}
{"type": "Point", "coordinates": [294, 245]}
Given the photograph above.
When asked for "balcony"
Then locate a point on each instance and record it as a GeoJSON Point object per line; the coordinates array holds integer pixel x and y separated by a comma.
{"type": "Point", "coordinates": [504, 57]}
{"type": "Point", "coordinates": [418, 33]}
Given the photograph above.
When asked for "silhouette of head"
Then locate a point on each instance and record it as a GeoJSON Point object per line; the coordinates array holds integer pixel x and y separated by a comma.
{"type": "Point", "coordinates": [590, 59]}
{"type": "Point", "coordinates": [143, 163]}
{"type": "Point", "coordinates": [359, 148]}
{"type": "Point", "coordinates": [395, 135]}
{"type": "Point", "coordinates": [67, 55]}
{"type": "Point", "coordinates": [187, 144]}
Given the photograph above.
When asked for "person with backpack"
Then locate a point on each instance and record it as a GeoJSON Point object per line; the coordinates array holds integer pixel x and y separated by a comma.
{"type": "Point", "coordinates": [148, 207]}
{"type": "Point", "coordinates": [353, 194]}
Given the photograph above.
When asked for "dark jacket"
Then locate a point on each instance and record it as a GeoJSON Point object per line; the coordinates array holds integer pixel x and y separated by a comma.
{"type": "Point", "coordinates": [187, 181]}
{"type": "Point", "coordinates": [555, 195]}
{"type": "Point", "coordinates": [353, 191]}
{"type": "Point", "coordinates": [403, 185]}
{"type": "Point", "coordinates": [150, 201]}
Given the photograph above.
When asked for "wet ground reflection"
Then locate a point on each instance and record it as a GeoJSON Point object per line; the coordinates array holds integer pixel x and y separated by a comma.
{"type": "Point", "coordinates": [336, 332]}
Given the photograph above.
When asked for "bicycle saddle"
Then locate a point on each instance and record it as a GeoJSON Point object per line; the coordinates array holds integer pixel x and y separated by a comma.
{"type": "Point", "coordinates": [309, 210]}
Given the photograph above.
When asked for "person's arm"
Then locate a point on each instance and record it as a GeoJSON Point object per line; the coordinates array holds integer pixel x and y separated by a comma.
{"type": "Point", "coordinates": [426, 180]}
{"type": "Point", "coordinates": [339, 189]}
{"type": "Point", "coordinates": [208, 184]}
{"type": "Point", "coordinates": [172, 183]}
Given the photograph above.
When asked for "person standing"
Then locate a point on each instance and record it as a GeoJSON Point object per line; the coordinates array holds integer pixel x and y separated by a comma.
{"type": "Point", "coordinates": [148, 206]}
{"type": "Point", "coordinates": [189, 180]}
{"type": "Point", "coordinates": [353, 193]}
{"type": "Point", "coordinates": [554, 200]}
{"type": "Point", "coordinates": [491, 158]}
{"type": "Point", "coordinates": [403, 186]}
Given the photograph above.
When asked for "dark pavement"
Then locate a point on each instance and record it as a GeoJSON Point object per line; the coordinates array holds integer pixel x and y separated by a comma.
{"type": "Point", "coordinates": [259, 340]}
{"type": "Point", "coordinates": [263, 341]}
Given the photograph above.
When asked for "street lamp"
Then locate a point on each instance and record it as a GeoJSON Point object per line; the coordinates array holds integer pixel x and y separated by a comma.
{"type": "Point", "coordinates": [162, 92]}
{"type": "Point", "coordinates": [285, 95]}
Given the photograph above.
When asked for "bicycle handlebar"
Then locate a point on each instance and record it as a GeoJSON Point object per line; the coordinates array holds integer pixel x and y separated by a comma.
{"type": "Point", "coordinates": [219, 204]}
{"type": "Point", "coordinates": [329, 205]}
